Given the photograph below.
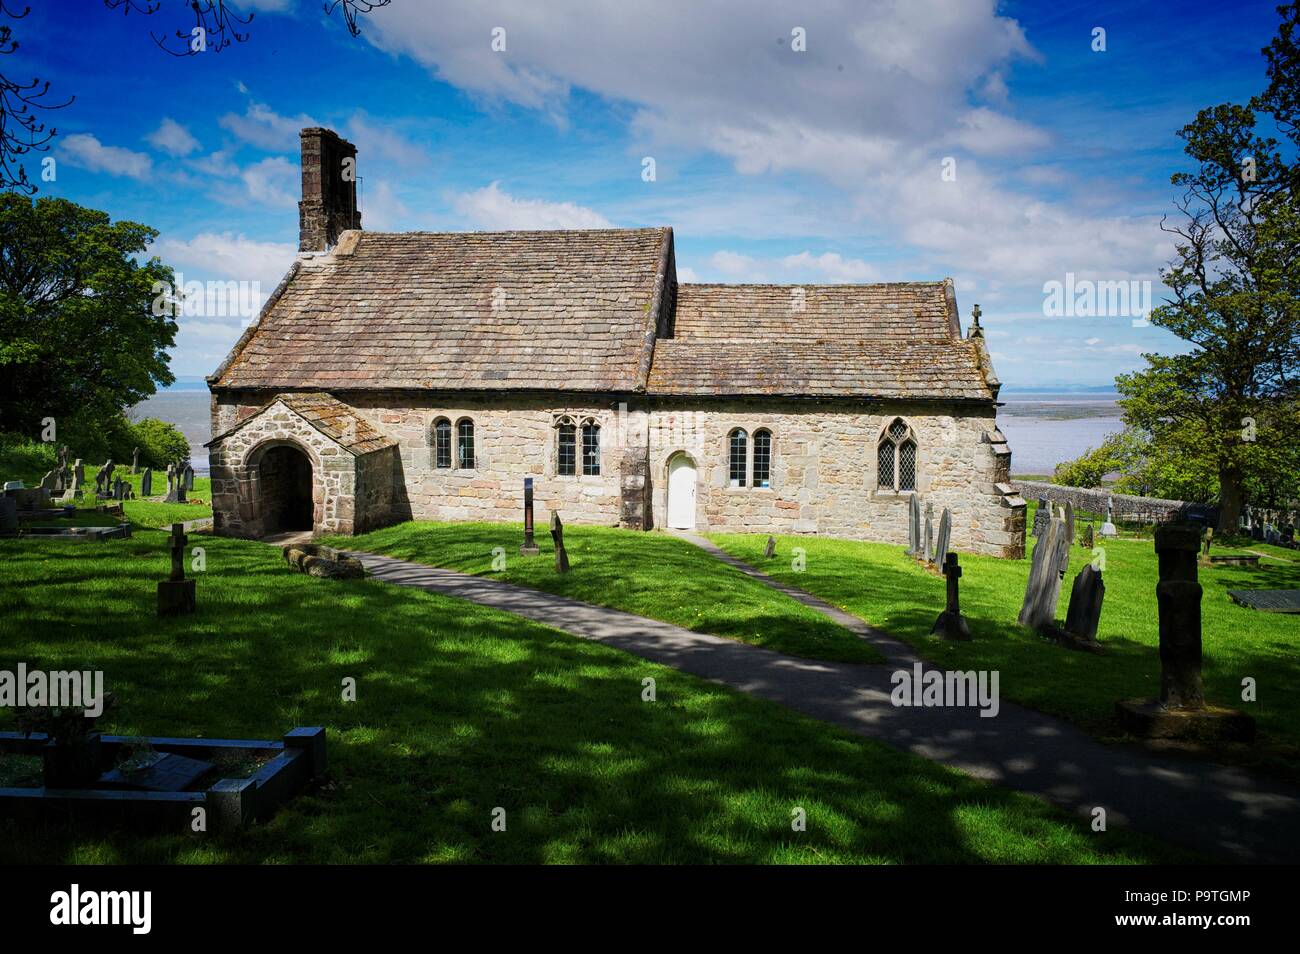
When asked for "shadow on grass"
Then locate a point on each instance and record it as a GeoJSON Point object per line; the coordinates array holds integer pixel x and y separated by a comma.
{"type": "Point", "coordinates": [461, 710]}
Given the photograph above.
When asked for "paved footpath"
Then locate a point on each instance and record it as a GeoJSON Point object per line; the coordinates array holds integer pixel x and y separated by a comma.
{"type": "Point", "coordinates": [1220, 810]}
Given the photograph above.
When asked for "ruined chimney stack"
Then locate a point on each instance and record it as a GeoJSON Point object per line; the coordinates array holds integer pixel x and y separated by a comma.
{"type": "Point", "coordinates": [329, 190]}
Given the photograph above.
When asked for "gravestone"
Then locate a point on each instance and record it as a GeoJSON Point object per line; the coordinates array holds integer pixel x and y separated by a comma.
{"type": "Point", "coordinates": [1205, 544]}
{"type": "Point", "coordinates": [48, 481]}
{"type": "Point", "coordinates": [1084, 613]}
{"type": "Point", "coordinates": [1181, 712]}
{"type": "Point", "coordinates": [914, 526]}
{"type": "Point", "coordinates": [176, 594]}
{"type": "Point", "coordinates": [529, 546]}
{"type": "Point", "coordinates": [104, 479]}
{"type": "Point", "coordinates": [945, 531]}
{"type": "Point", "coordinates": [951, 624]}
{"type": "Point", "coordinates": [769, 550]}
{"type": "Point", "coordinates": [135, 461]}
{"type": "Point", "coordinates": [79, 474]}
{"type": "Point", "coordinates": [8, 515]}
{"type": "Point", "coordinates": [117, 488]}
{"type": "Point", "coordinates": [175, 485]}
{"type": "Point", "coordinates": [1108, 528]}
{"type": "Point", "coordinates": [1042, 515]}
{"type": "Point", "coordinates": [187, 479]}
{"type": "Point", "coordinates": [1046, 569]}
{"type": "Point", "coordinates": [1087, 538]}
{"type": "Point", "coordinates": [146, 482]}
{"type": "Point", "coordinates": [1068, 516]}
{"type": "Point", "coordinates": [927, 544]}
{"type": "Point", "coordinates": [557, 534]}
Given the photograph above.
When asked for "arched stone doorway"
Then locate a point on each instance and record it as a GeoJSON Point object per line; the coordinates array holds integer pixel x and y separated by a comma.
{"type": "Point", "coordinates": [285, 490]}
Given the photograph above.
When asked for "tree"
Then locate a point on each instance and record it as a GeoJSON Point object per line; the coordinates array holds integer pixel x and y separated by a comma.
{"type": "Point", "coordinates": [78, 332]}
{"type": "Point", "coordinates": [1235, 282]}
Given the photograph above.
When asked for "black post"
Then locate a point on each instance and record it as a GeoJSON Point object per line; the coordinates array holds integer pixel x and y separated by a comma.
{"type": "Point", "coordinates": [530, 545]}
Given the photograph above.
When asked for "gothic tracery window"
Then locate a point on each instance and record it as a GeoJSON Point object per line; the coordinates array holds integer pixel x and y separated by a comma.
{"type": "Point", "coordinates": [896, 458]}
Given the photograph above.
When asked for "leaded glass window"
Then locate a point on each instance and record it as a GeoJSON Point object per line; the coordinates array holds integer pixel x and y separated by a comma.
{"type": "Point", "coordinates": [896, 458]}
{"type": "Point", "coordinates": [442, 443]}
{"type": "Point", "coordinates": [566, 450]}
{"type": "Point", "coordinates": [465, 444]}
{"type": "Point", "coordinates": [590, 449]}
{"type": "Point", "coordinates": [762, 458]}
{"type": "Point", "coordinates": [736, 468]}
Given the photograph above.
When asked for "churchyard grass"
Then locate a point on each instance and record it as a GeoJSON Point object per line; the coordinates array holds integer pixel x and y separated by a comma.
{"type": "Point", "coordinates": [461, 709]}
{"type": "Point", "coordinates": [880, 584]}
{"type": "Point", "coordinates": [649, 574]}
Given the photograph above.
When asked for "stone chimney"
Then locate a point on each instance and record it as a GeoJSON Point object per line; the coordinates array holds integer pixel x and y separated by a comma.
{"type": "Point", "coordinates": [329, 190]}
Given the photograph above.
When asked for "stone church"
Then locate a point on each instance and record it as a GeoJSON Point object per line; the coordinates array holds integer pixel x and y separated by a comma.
{"type": "Point", "coordinates": [424, 375]}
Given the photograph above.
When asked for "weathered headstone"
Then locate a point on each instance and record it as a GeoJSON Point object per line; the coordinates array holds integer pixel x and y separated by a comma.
{"type": "Point", "coordinates": [1042, 515]}
{"type": "Point", "coordinates": [135, 461]}
{"type": "Point", "coordinates": [1108, 528]}
{"type": "Point", "coordinates": [79, 474]}
{"type": "Point", "coordinates": [1084, 613]}
{"type": "Point", "coordinates": [1181, 712]}
{"type": "Point", "coordinates": [529, 546]}
{"type": "Point", "coordinates": [104, 479]}
{"type": "Point", "coordinates": [1205, 544]}
{"type": "Point", "coordinates": [146, 482]}
{"type": "Point", "coordinates": [914, 526]}
{"type": "Point", "coordinates": [175, 485]}
{"type": "Point", "coordinates": [8, 515]}
{"type": "Point", "coordinates": [1045, 571]}
{"type": "Point", "coordinates": [951, 624]}
{"type": "Point", "coordinates": [769, 550]}
{"type": "Point", "coordinates": [187, 479]}
{"type": "Point", "coordinates": [945, 532]}
{"type": "Point", "coordinates": [1068, 516]}
{"type": "Point", "coordinates": [927, 543]}
{"type": "Point", "coordinates": [176, 594]}
{"type": "Point", "coordinates": [117, 488]}
{"type": "Point", "coordinates": [1087, 539]}
{"type": "Point", "coordinates": [48, 481]}
{"type": "Point", "coordinates": [557, 534]}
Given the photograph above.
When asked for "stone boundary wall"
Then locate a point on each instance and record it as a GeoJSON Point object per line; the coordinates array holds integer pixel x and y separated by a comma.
{"type": "Point", "coordinates": [1127, 507]}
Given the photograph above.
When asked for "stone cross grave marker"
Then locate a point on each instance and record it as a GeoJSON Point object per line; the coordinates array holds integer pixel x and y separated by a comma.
{"type": "Point", "coordinates": [146, 482]}
{"type": "Point", "coordinates": [1108, 528]}
{"type": "Point", "coordinates": [1084, 613]}
{"type": "Point", "coordinates": [951, 624]}
{"type": "Point", "coordinates": [770, 549]}
{"type": "Point", "coordinates": [927, 544]}
{"type": "Point", "coordinates": [1042, 515]}
{"type": "Point", "coordinates": [945, 532]}
{"type": "Point", "coordinates": [176, 594]}
{"type": "Point", "coordinates": [557, 534]}
{"type": "Point", "coordinates": [529, 546]}
{"type": "Point", "coordinates": [1045, 572]}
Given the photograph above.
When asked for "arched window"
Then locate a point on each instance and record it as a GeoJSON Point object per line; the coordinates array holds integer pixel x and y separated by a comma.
{"type": "Point", "coordinates": [590, 449]}
{"type": "Point", "coordinates": [896, 458]}
{"type": "Point", "coordinates": [737, 464]}
{"type": "Point", "coordinates": [566, 449]}
{"type": "Point", "coordinates": [762, 458]}
{"type": "Point", "coordinates": [442, 443]}
{"type": "Point", "coordinates": [465, 444]}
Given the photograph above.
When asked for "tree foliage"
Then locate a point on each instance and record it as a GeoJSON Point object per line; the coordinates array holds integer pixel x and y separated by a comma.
{"type": "Point", "coordinates": [78, 333]}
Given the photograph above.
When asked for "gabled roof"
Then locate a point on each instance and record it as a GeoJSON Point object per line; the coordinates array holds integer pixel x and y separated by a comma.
{"type": "Point", "coordinates": [564, 310]}
{"type": "Point", "coordinates": [328, 415]}
{"type": "Point", "coordinates": [897, 340]}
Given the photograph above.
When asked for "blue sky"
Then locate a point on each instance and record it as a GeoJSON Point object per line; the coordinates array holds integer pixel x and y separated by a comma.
{"type": "Point", "coordinates": [772, 164]}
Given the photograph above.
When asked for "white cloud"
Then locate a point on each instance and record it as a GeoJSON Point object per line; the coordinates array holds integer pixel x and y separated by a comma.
{"type": "Point", "coordinates": [227, 256]}
{"type": "Point", "coordinates": [376, 141]}
{"type": "Point", "coordinates": [988, 133]}
{"type": "Point", "coordinates": [263, 127]}
{"type": "Point", "coordinates": [383, 211]}
{"type": "Point", "coordinates": [826, 268]}
{"type": "Point", "coordinates": [87, 152]}
{"type": "Point", "coordinates": [491, 208]}
{"type": "Point", "coordinates": [172, 138]}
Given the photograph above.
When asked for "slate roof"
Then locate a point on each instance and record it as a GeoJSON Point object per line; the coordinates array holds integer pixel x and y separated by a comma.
{"type": "Point", "coordinates": [899, 340]}
{"type": "Point", "coordinates": [328, 415]}
{"type": "Point", "coordinates": [567, 310]}
{"type": "Point", "coordinates": [579, 310]}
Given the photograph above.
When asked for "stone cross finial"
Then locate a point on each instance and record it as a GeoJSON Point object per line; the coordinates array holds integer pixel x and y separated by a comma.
{"type": "Point", "coordinates": [975, 330]}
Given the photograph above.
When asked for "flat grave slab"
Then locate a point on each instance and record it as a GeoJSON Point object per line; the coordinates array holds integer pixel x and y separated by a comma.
{"type": "Point", "coordinates": [1268, 601]}
{"type": "Point", "coordinates": [171, 773]}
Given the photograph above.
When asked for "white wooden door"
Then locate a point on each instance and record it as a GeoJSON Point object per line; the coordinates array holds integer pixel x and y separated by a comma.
{"type": "Point", "coordinates": [681, 493]}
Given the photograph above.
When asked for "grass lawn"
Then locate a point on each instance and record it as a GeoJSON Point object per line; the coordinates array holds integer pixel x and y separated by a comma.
{"type": "Point", "coordinates": [878, 583]}
{"type": "Point", "coordinates": [650, 574]}
{"type": "Point", "coordinates": [461, 709]}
